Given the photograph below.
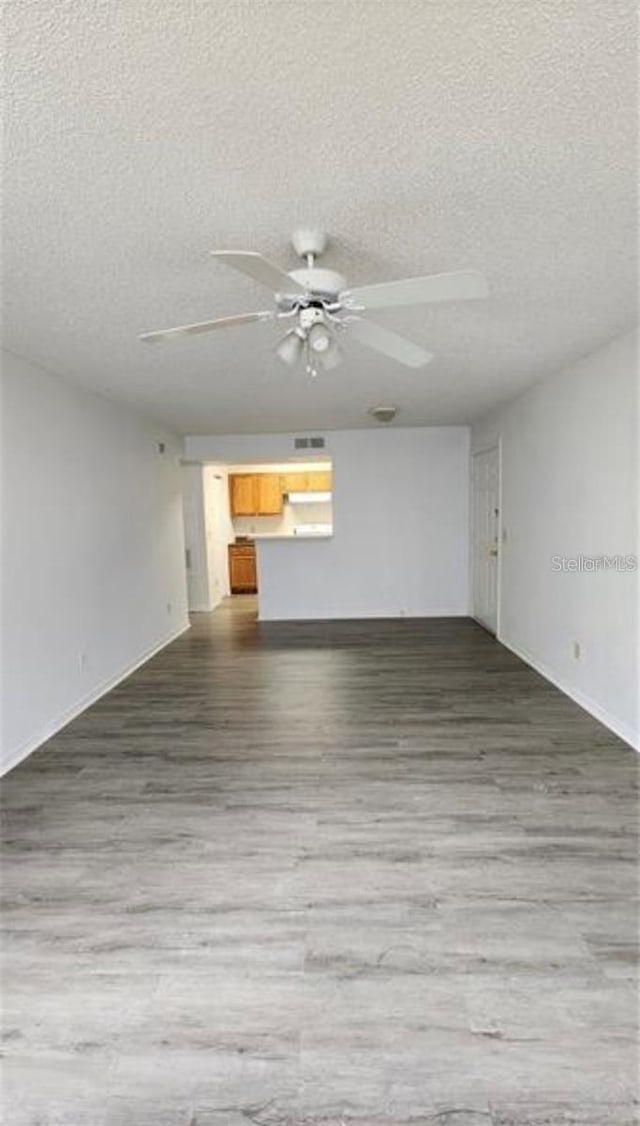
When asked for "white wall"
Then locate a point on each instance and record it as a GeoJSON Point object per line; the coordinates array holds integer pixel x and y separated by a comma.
{"type": "Point", "coordinates": [400, 514]}
{"type": "Point", "coordinates": [208, 531]}
{"type": "Point", "coordinates": [195, 538]}
{"type": "Point", "coordinates": [570, 487]}
{"type": "Point", "coordinates": [92, 550]}
{"type": "Point", "coordinates": [292, 466]}
{"type": "Point", "coordinates": [219, 530]}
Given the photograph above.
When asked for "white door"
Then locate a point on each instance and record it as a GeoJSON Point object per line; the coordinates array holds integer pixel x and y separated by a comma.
{"type": "Point", "coordinates": [485, 536]}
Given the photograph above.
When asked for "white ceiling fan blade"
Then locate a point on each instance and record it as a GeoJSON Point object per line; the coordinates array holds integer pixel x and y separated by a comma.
{"type": "Point", "coordinates": [205, 326]}
{"type": "Point", "coordinates": [258, 268]}
{"type": "Point", "coordinates": [464, 285]}
{"type": "Point", "coordinates": [391, 343]}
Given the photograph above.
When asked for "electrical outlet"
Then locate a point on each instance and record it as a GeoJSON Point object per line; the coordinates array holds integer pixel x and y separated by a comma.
{"type": "Point", "coordinates": [169, 607]}
{"type": "Point", "coordinates": [577, 650]}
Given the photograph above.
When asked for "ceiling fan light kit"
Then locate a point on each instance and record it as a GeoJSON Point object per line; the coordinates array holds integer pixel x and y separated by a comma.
{"type": "Point", "coordinates": [319, 337]}
{"type": "Point", "coordinates": [290, 347]}
{"type": "Point", "coordinates": [322, 306]}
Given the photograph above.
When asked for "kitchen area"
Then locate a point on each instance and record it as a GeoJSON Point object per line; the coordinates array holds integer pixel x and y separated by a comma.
{"type": "Point", "coordinates": [284, 501]}
{"type": "Point", "coordinates": [237, 518]}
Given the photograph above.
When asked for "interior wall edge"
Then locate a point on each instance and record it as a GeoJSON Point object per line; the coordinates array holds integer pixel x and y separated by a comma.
{"type": "Point", "coordinates": [610, 721]}
{"type": "Point", "coordinates": [20, 753]}
{"type": "Point", "coordinates": [569, 486]}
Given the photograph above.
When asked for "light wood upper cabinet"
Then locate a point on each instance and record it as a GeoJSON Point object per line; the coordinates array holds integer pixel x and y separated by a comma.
{"type": "Point", "coordinates": [294, 482]}
{"type": "Point", "coordinates": [269, 494]}
{"type": "Point", "coordinates": [255, 494]}
{"type": "Point", "coordinates": [261, 494]}
{"type": "Point", "coordinates": [317, 481]}
{"type": "Point", "coordinates": [321, 481]}
{"type": "Point", "coordinates": [242, 494]}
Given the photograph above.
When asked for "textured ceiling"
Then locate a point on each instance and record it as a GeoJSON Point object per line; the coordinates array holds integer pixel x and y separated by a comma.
{"type": "Point", "coordinates": [424, 135]}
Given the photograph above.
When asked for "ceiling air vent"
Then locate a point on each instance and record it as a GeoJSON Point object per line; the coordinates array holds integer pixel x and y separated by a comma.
{"type": "Point", "coordinates": [308, 443]}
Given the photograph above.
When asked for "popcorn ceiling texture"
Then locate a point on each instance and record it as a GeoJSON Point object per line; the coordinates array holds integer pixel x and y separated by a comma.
{"type": "Point", "coordinates": [424, 135]}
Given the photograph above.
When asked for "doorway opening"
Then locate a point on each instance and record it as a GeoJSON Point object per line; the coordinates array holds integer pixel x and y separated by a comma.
{"type": "Point", "coordinates": [230, 509]}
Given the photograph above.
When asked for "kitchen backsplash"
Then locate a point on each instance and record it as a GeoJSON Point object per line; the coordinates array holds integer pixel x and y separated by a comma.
{"type": "Point", "coordinates": [292, 515]}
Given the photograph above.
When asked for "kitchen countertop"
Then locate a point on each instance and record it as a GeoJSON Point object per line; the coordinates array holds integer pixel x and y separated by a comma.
{"type": "Point", "coordinates": [310, 536]}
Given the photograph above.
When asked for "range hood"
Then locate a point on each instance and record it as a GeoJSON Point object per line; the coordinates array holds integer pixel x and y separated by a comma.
{"type": "Point", "coordinates": [309, 498]}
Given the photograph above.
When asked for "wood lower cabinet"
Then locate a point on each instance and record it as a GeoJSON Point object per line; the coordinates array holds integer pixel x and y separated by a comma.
{"type": "Point", "coordinates": [243, 574]}
{"type": "Point", "coordinates": [255, 494]}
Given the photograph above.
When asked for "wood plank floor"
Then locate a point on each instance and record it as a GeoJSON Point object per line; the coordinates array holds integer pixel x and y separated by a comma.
{"type": "Point", "coordinates": [323, 874]}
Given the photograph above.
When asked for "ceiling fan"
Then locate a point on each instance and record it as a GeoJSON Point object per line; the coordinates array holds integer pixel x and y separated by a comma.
{"type": "Point", "coordinates": [321, 308]}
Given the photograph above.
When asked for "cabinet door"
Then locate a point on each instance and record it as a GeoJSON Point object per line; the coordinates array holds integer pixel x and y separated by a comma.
{"type": "Point", "coordinates": [320, 481]}
{"type": "Point", "coordinates": [243, 494]}
{"type": "Point", "coordinates": [269, 494]}
{"type": "Point", "coordinates": [295, 482]}
{"type": "Point", "coordinates": [317, 481]}
{"type": "Point", "coordinates": [242, 570]}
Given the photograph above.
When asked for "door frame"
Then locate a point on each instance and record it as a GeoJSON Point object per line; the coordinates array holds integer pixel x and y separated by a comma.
{"type": "Point", "coordinates": [487, 447]}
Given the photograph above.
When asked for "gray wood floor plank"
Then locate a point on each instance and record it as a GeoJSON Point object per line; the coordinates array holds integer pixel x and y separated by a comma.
{"type": "Point", "coordinates": [323, 874]}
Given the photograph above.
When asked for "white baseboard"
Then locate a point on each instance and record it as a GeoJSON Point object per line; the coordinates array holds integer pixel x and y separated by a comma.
{"type": "Point", "coordinates": [622, 730]}
{"type": "Point", "coordinates": [18, 754]}
{"type": "Point", "coordinates": [365, 615]}
{"type": "Point", "coordinates": [206, 607]}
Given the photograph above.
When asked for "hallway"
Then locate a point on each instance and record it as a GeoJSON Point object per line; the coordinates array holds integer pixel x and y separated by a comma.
{"type": "Point", "coordinates": [314, 874]}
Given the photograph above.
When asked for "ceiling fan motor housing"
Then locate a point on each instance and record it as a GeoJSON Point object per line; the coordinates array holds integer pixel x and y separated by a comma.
{"type": "Point", "coordinates": [324, 284]}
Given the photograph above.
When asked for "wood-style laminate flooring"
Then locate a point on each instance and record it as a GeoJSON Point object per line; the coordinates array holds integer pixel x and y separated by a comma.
{"type": "Point", "coordinates": [313, 874]}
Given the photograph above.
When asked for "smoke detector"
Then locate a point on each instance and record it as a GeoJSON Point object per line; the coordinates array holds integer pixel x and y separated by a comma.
{"type": "Point", "coordinates": [383, 414]}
